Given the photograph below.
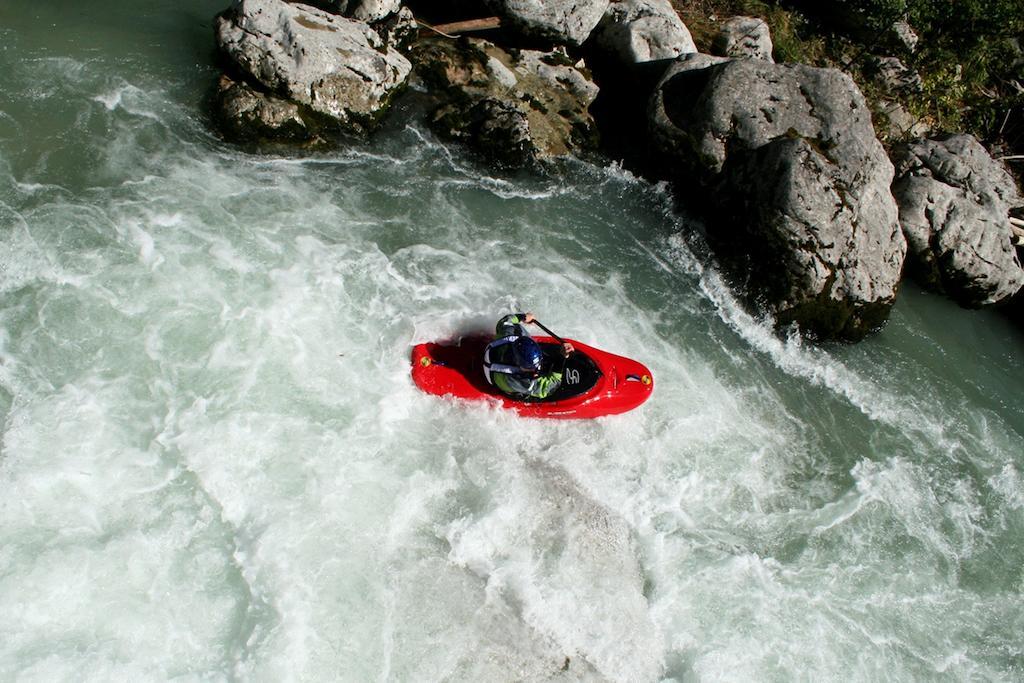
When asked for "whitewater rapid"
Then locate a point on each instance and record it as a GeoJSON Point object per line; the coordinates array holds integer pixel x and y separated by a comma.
{"type": "Point", "coordinates": [214, 465]}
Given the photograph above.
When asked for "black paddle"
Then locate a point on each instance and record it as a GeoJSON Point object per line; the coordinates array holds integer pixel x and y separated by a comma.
{"type": "Point", "coordinates": [565, 356]}
{"type": "Point", "coordinates": [541, 326]}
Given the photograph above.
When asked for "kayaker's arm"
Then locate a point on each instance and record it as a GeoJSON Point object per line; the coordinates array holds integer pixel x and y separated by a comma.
{"type": "Point", "coordinates": [545, 384]}
{"type": "Point", "coordinates": [512, 324]}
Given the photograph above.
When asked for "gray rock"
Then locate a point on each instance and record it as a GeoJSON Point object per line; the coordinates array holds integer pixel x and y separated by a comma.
{"type": "Point", "coordinates": [398, 29]}
{"type": "Point", "coordinates": [896, 77]}
{"type": "Point", "coordinates": [337, 67]}
{"type": "Point", "coordinates": [744, 37]}
{"type": "Point", "coordinates": [635, 31]}
{"type": "Point", "coordinates": [518, 108]}
{"type": "Point", "coordinates": [714, 104]}
{"type": "Point", "coordinates": [561, 21]}
{"type": "Point", "coordinates": [801, 185]}
{"type": "Point", "coordinates": [905, 35]}
{"type": "Point", "coordinates": [369, 11]}
{"type": "Point", "coordinates": [954, 205]}
{"type": "Point", "coordinates": [804, 248]}
{"type": "Point", "coordinates": [496, 128]}
{"type": "Point", "coordinates": [895, 122]}
{"type": "Point", "coordinates": [249, 116]}
{"type": "Point", "coordinates": [372, 10]}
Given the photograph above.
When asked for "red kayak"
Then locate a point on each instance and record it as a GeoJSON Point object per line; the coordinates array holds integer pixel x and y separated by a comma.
{"type": "Point", "coordinates": [594, 383]}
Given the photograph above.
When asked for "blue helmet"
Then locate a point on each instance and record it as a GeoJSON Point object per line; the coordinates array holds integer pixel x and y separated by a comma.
{"type": "Point", "coordinates": [527, 354]}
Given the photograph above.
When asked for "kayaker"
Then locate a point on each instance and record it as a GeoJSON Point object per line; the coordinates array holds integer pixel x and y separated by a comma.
{"type": "Point", "coordinates": [515, 364]}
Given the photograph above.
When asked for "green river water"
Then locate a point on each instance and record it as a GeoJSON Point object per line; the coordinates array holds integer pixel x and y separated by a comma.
{"type": "Point", "coordinates": [214, 465]}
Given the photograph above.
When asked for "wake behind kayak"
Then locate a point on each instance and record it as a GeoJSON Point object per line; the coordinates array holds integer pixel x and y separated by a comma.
{"type": "Point", "coordinates": [594, 382]}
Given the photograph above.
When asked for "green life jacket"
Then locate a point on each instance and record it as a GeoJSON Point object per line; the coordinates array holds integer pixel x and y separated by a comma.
{"type": "Point", "coordinates": [501, 371]}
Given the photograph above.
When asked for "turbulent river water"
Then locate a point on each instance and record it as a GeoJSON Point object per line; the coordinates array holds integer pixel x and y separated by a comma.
{"type": "Point", "coordinates": [214, 465]}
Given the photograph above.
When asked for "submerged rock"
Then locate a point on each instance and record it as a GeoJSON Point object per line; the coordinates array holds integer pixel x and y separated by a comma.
{"type": "Point", "coordinates": [635, 31]}
{"type": "Point", "coordinates": [744, 37]}
{"type": "Point", "coordinates": [801, 204]}
{"type": "Point", "coordinates": [336, 68]}
{"type": "Point", "coordinates": [564, 560]}
{"type": "Point", "coordinates": [954, 206]}
{"type": "Point", "coordinates": [517, 107]}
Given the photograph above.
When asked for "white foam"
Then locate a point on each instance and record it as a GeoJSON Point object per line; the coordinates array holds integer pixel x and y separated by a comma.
{"type": "Point", "coordinates": [1008, 483]}
{"type": "Point", "coordinates": [217, 465]}
{"type": "Point", "coordinates": [795, 357]}
{"type": "Point", "coordinates": [103, 525]}
{"type": "Point", "coordinates": [111, 100]}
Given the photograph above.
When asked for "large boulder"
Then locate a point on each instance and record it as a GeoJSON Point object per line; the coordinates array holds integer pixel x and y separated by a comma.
{"type": "Point", "coordinates": [635, 31]}
{"type": "Point", "coordinates": [954, 206]}
{"type": "Point", "coordinates": [804, 250]}
{"type": "Point", "coordinates": [556, 21]}
{"type": "Point", "coordinates": [517, 108]}
{"type": "Point", "coordinates": [801, 204]}
{"type": "Point", "coordinates": [336, 68]}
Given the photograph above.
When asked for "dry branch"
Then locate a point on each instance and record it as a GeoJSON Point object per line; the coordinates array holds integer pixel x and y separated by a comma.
{"type": "Point", "coordinates": [455, 28]}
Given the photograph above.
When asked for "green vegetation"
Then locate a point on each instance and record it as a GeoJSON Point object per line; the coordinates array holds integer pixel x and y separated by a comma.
{"type": "Point", "coordinates": [969, 57]}
{"type": "Point", "coordinates": [971, 64]}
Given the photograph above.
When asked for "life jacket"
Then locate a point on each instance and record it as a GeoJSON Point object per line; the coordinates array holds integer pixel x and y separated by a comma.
{"type": "Point", "coordinates": [496, 357]}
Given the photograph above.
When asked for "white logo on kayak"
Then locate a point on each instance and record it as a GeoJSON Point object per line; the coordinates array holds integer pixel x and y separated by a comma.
{"type": "Point", "coordinates": [572, 376]}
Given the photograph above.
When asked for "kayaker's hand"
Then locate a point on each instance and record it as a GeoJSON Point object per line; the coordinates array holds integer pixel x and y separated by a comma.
{"type": "Point", "coordinates": [567, 348]}
{"type": "Point", "coordinates": [528, 318]}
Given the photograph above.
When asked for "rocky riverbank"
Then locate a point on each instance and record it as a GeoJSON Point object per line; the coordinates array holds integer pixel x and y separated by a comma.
{"type": "Point", "coordinates": [802, 203]}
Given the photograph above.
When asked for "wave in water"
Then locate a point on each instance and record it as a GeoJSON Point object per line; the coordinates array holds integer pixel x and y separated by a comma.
{"type": "Point", "coordinates": [215, 464]}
